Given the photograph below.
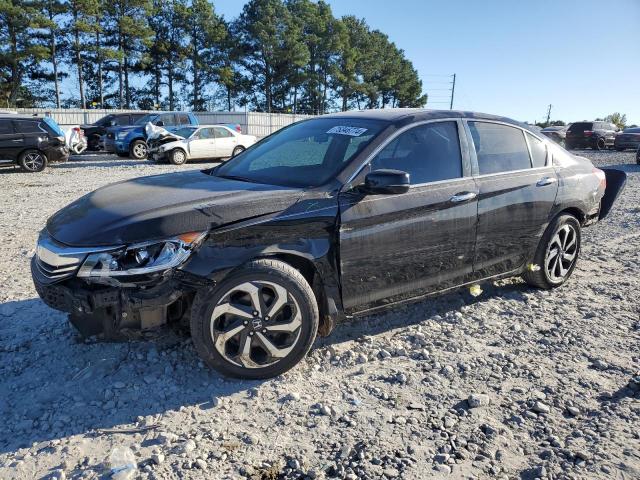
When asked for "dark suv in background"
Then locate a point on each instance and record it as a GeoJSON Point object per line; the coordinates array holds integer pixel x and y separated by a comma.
{"type": "Point", "coordinates": [31, 142]}
{"type": "Point", "coordinates": [95, 130]}
{"type": "Point", "coordinates": [596, 135]}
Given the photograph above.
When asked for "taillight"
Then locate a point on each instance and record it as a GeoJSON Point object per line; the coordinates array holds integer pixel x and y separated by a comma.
{"type": "Point", "coordinates": [603, 178]}
{"type": "Point", "coordinates": [238, 128]}
{"type": "Point", "coordinates": [588, 133]}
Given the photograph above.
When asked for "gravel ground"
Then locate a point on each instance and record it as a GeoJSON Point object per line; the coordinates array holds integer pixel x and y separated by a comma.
{"type": "Point", "coordinates": [515, 383]}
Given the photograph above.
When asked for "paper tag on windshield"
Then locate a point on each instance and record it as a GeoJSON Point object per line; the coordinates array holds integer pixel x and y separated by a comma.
{"type": "Point", "coordinates": [351, 131]}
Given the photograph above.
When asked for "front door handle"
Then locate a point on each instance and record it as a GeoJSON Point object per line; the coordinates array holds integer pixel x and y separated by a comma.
{"type": "Point", "coordinates": [17, 140]}
{"type": "Point", "coordinates": [463, 197]}
{"type": "Point", "coordinates": [546, 181]}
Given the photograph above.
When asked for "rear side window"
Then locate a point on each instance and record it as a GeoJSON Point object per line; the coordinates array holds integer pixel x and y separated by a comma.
{"type": "Point", "coordinates": [222, 132]}
{"type": "Point", "coordinates": [26, 126]}
{"type": "Point", "coordinates": [499, 148]}
{"type": "Point", "coordinates": [5, 127]}
{"type": "Point", "coordinates": [428, 153]}
{"type": "Point", "coordinates": [538, 151]}
{"type": "Point", "coordinates": [183, 119]}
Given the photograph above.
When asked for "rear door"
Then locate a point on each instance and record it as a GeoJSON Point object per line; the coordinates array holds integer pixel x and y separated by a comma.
{"type": "Point", "coordinates": [225, 142]}
{"type": "Point", "coordinates": [517, 189]}
{"type": "Point", "coordinates": [400, 246]}
{"type": "Point", "coordinates": [11, 142]}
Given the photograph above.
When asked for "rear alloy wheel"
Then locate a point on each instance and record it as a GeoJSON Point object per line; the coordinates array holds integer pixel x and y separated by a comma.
{"type": "Point", "coordinates": [258, 323]}
{"type": "Point", "coordinates": [32, 161]}
{"type": "Point", "coordinates": [557, 254]}
{"type": "Point", "coordinates": [178, 157]}
{"type": "Point", "coordinates": [237, 151]}
{"type": "Point", "coordinates": [600, 144]}
{"type": "Point", "coordinates": [138, 150]}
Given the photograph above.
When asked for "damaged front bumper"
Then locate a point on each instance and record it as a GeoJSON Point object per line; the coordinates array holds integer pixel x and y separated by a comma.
{"type": "Point", "coordinates": [103, 309]}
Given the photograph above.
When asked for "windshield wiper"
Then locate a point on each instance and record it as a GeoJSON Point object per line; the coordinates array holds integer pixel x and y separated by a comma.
{"type": "Point", "coordinates": [236, 177]}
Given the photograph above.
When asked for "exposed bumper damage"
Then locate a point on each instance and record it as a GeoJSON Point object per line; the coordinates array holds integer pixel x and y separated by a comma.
{"type": "Point", "coordinates": [105, 309]}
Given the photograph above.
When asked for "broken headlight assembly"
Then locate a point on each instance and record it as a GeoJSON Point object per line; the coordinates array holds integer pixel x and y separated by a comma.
{"type": "Point", "coordinates": [142, 258]}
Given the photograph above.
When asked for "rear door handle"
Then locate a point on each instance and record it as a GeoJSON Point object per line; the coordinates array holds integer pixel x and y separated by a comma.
{"type": "Point", "coordinates": [463, 197]}
{"type": "Point", "coordinates": [17, 140]}
{"type": "Point", "coordinates": [546, 181]}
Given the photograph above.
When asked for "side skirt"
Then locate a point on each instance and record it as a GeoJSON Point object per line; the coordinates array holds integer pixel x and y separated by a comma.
{"type": "Point", "coordinates": [382, 308]}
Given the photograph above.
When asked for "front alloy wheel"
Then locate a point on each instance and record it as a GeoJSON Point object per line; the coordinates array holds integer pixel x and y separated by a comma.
{"type": "Point", "coordinates": [138, 150]}
{"type": "Point", "coordinates": [258, 323]}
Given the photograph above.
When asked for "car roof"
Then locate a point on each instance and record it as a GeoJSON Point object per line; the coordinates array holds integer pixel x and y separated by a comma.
{"type": "Point", "coordinates": [394, 115]}
{"type": "Point", "coordinates": [13, 116]}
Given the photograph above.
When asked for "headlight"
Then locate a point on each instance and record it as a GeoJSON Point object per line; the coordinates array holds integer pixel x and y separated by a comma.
{"type": "Point", "coordinates": [121, 135]}
{"type": "Point", "coordinates": [142, 258]}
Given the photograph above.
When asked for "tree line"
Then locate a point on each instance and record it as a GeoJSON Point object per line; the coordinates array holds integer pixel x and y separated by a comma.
{"type": "Point", "coordinates": [277, 56]}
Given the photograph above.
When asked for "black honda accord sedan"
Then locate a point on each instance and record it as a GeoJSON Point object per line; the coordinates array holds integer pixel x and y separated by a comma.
{"type": "Point", "coordinates": [328, 218]}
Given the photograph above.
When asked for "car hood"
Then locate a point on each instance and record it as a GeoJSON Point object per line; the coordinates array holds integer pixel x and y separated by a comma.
{"type": "Point", "coordinates": [163, 206]}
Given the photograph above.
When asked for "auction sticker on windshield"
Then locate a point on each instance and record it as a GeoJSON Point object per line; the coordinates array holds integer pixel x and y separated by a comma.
{"type": "Point", "coordinates": [344, 130]}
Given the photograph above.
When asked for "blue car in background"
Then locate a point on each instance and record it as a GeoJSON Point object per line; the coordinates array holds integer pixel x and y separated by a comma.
{"type": "Point", "coordinates": [130, 141]}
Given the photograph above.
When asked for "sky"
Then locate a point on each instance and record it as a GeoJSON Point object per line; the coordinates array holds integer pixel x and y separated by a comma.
{"type": "Point", "coordinates": [513, 57]}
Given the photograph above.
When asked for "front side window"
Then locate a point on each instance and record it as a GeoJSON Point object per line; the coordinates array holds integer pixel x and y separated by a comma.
{"type": "Point", "coordinates": [499, 148]}
{"type": "Point", "coordinates": [183, 119]}
{"type": "Point", "coordinates": [538, 151]}
{"type": "Point", "coordinates": [206, 133]}
{"type": "Point", "coordinates": [305, 154]}
{"type": "Point", "coordinates": [168, 119]}
{"type": "Point", "coordinates": [428, 153]}
{"type": "Point", "coordinates": [149, 117]}
{"type": "Point", "coordinates": [222, 132]}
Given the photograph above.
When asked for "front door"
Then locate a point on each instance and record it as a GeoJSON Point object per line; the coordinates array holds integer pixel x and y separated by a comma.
{"type": "Point", "coordinates": [394, 247]}
{"type": "Point", "coordinates": [517, 189]}
{"type": "Point", "coordinates": [203, 144]}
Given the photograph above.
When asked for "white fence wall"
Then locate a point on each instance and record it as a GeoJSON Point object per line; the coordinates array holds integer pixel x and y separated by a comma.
{"type": "Point", "coordinates": [252, 123]}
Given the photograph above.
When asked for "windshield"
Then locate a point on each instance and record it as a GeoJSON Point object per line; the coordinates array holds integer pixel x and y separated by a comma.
{"type": "Point", "coordinates": [185, 132]}
{"type": "Point", "coordinates": [149, 117]}
{"type": "Point", "coordinates": [104, 120]}
{"type": "Point", "coordinates": [305, 154]}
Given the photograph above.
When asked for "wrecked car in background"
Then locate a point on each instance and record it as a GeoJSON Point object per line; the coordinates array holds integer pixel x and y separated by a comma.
{"type": "Point", "coordinates": [195, 143]}
{"type": "Point", "coordinates": [331, 217]}
{"type": "Point", "coordinates": [557, 134]}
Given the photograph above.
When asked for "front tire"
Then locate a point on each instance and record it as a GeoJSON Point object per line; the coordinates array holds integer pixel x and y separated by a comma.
{"type": "Point", "coordinates": [32, 161]}
{"type": "Point", "coordinates": [556, 255]}
{"type": "Point", "coordinates": [138, 149]}
{"type": "Point", "coordinates": [258, 323]}
{"type": "Point", "coordinates": [178, 157]}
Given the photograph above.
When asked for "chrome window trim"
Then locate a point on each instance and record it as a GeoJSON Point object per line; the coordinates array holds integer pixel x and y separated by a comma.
{"type": "Point", "coordinates": [347, 185]}
{"type": "Point", "coordinates": [546, 149]}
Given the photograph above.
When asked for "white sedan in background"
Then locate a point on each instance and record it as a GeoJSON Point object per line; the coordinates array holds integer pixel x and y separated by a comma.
{"type": "Point", "coordinates": [196, 143]}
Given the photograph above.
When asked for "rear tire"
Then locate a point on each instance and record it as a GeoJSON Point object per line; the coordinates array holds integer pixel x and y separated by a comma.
{"type": "Point", "coordinates": [32, 161]}
{"type": "Point", "coordinates": [600, 144]}
{"type": "Point", "coordinates": [239, 339]}
{"type": "Point", "coordinates": [94, 143]}
{"type": "Point", "coordinates": [237, 151]}
{"type": "Point", "coordinates": [562, 236]}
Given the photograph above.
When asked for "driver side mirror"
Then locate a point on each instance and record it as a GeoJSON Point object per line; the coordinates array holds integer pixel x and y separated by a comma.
{"type": "Point", "coordinates": [386, 182]}
{"type": "Point", "coordinates": [111, 123]}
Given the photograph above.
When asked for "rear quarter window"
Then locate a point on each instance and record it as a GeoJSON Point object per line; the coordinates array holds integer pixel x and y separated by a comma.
{"type": "Point", "coordinates": [499, 148]}
{"type": "Point", "coordinates": [538, 151]}
{"type": "Point", "coordinates": [28, 126]}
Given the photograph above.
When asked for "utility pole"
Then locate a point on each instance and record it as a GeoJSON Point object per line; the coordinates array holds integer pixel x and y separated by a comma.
{"type": "Point", "coordinates": [549, 114]}
{"type": "Point", "coordinates": [453, 91]}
